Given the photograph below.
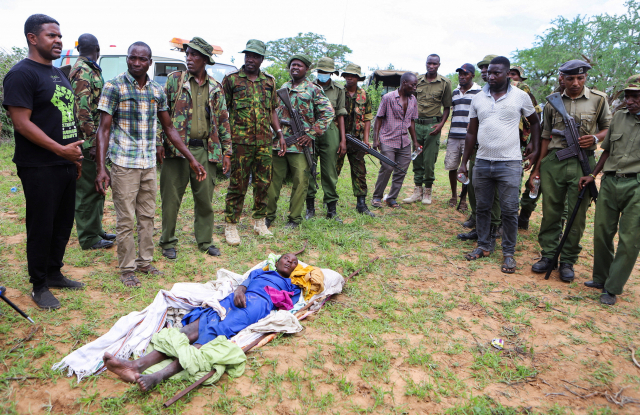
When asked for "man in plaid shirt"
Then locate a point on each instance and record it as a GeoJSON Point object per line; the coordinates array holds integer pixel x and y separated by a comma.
{"type": "Point", "coordinates": [130, 107]}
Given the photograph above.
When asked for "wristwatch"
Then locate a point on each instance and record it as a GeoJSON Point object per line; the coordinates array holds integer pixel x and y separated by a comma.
{"type": "Point", "coordinates": [596, 138]}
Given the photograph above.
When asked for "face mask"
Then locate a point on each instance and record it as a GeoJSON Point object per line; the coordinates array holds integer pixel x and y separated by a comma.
{"type": "Point", "coordinates": [324, 77]}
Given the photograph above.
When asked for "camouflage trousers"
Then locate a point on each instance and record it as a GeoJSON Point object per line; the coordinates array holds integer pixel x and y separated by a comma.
{"type": "Point", "coordinates": [254, 160]}
{"type": "Point", "coordinates": [358, 170]}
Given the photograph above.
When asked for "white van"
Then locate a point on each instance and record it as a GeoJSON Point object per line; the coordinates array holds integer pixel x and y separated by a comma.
{"type": "Point", "coordinates": [113, 62]}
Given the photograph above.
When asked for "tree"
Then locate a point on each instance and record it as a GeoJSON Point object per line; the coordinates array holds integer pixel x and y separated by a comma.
{"type": "Point", "coordinates": [7, 60]}
{"type": "Point", "coordinates": [312, 44]}
{"type": "Point", "coordinates": [610, 44]}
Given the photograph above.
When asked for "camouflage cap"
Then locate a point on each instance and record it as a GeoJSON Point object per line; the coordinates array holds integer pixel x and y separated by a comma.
{"type": "Point", "coordinates": [486, 60]}
{"type": "Point", "coordinates": [519, 70]}
{"type": "Point", "coordinates": [353, 69]}
{"type": "Point", "coordinates": [302, 58]}
{"type": "Point", "coordinates": [256, 46]}
{"type": "Point", "coordinates": [633, 83]}
{"type": "Point", "coordinates": [326, 64]}
{"type": "Point", "coordinates": [201, 45]}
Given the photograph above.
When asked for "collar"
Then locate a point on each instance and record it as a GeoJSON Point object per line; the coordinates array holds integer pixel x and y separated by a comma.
{"type": "Point", "coordinates": [635, 117]}
{"type": "Point", "coordinates": [423, 78]}
{"type": "Point", "coordinates": [585, 93]}
{"type": "Point", "coordinates": [243, 74]}
{"type": "Point", "coordinates": [301, 86]}
{"type": "Point", "coordinates": [90, 63]}
{"type": "Point", "coordinates": [485, 89]}
{"type": "Point", "coordinates": [192, 76]}
{"type": "Point", "coordinates": [473, 87]}
{"type": "Point", "coordinates": [330, 86]}
{"type": "Point", "coordinates": [131, 79]}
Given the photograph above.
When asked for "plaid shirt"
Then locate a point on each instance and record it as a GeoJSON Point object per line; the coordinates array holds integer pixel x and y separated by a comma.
{"type": "Point", "coordinates": [132, 141]}
{"type": "Point", "coordinates": [394, 131]}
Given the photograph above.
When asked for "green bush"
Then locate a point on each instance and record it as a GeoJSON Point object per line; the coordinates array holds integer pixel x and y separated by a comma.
{"type": "Point", "coordinates": [7, 60]}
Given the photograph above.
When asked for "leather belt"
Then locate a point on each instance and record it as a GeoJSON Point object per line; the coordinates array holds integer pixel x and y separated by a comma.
{"type": "Point", "coordinates": [428, 120]}
{"type": "Point", "coordinates": [622, 175]}
{"type": "Point", "coordinates": [196, 143]}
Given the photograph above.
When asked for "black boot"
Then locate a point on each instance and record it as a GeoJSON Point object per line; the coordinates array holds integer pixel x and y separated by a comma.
{"type": "Point", "coordinates": [361, 206]}
{"type": "Point", "coordinates": [470, 223]}
{"type": "Point", "coordinates": [331, 211]}
{"type": "Point", "coordinates": [523, 220]}
{"type": "Point", "coordinates": [493, 235]}
{"type": "Point", "coordinates": [469, 236]}
{"type": "Point", "coordinates": [311, 209]}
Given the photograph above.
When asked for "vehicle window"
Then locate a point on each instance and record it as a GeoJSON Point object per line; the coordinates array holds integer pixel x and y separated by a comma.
{"type": "Point", "coordinates": [112, 66]}
{"type": "Point", "coordinates": [219, 70]}
{"type": "Point", "coordinates": [164, 69]}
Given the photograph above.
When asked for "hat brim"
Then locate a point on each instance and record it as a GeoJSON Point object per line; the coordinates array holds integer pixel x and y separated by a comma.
{"type": "Point", "coordinates": [337, 73]}
{"type": "Point", "coordinates": [464, 70]}
{"type": "Point", "coordinates": [254, 51]}
{"type": "Point", "coordinates": [199, 49]}
{"type": "Point", "coordinates": [360, 77]}
{"type": "Point", "coordinates": [632, 88]}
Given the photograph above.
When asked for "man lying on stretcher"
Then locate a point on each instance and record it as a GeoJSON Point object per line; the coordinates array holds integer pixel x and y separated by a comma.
{"type": "Point", "coordinates": [250, 302]}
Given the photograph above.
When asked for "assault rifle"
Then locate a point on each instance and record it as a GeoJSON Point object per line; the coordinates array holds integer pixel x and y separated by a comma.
{"type": "Point", "coordinates": [571, 135]}
{"type": "Point", "coordinates": [362, 146]}
{"type": "Point", "coordinates": [297, 126]}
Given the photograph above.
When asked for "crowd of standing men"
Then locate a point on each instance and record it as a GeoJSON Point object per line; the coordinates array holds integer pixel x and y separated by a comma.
{"type": "Point", "coordinates": [67, 130]}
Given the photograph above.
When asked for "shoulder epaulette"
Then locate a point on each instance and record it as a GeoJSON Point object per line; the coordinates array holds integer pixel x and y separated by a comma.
{"type": "Point", "coordinates": [600, 93]}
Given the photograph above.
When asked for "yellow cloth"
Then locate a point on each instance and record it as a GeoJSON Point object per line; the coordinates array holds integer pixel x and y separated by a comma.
{"type": "Point", "coordinates": [309, 278]}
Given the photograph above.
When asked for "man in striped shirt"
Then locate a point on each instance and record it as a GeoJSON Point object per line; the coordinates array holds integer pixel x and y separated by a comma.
{"type": "Point", "coordinates": [460, 102]}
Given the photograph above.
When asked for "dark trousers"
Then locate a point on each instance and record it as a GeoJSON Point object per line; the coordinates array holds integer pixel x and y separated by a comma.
{"type": "Point", "coordinates": [402, 156]}
{"type": "Point", "coordinates": [50, 194]}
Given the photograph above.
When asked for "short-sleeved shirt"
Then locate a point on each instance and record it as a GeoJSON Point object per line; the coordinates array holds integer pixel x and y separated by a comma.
{"type": "Point", "coordinates": [335, 93]}
{"type": "Point", "coordinates": [432, 96]}
{"type": "Point", "coordinates": [394, 131]}
{"type": "Point", "coordinates": [46, 91]}
{"type": "Point", "coordinates": [590, 110]}
{"type": "Point", "coordinates": [132, 142]}
{"type": "Point", "coordinates": [460, 103]}
{"type": "Point", "coordinates": [623, 143]}
{"type": "Point", "coordinates": [250, 105]}
{"type": "Point", "coordinates": [499, 120]}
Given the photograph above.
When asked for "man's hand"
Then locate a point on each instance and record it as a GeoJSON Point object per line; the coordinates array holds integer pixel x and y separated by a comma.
{"type": "Point", "coordinates": [305, 141]}
{"type": "Point", "coordinates": [102, 182]}
{"type": "Point", "coordinates": [586, 141]}
{"type": "Point", "coordinates": [415, 145]}
{"type": "Point", "coordinates": [159, 154]}
{"type": "Point", "coordinates": [283, 146]}
{"type": "Point", "coordinates": [376, 142]}
{"type": "Point", "coordinates": [536, 173]}
{"type": "Point", "coordinates": [239, 300]}
{"type": "Point", "coordinates": [201, 173]}
{"type": "Point", "coordinates": [463, 169]}
{"type": "Point", "coordinates": [71, 152]}
{"type": "Point", "coordinates": [79, 167]}
{"type": "Point", "coordinates": [530, 156]}
{"type": "Point", "coordinates": [342, 149]}
{"type": "Point", "coordinates": [92, 153]}
{"type": "Point", "coordinates": [585, 181]}
{"type": "Point", "coordinates": [366, 143]}
{"type": "Point", "coordinates": [436, 129]}
{"type": "Point", "coordinates": [226, 164]}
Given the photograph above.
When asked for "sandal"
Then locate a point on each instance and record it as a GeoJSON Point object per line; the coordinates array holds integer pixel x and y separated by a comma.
{"type": "Point", "coordinates": [149, 269]}
{"type": "Point", "coordinates": [509, 265]}
{"type": "Point", "coordinates": [463, 206]}
{"type": "Point", "coordinates": [130, 280]}
{"type": "Point", "coordinates": [476, 254]}
{"type": "Point", "coordinates": [452, 202]}
{"type": "Point", "coordinates": [393, 204]}
{"type": "Point", "coordinates": [376, 203]}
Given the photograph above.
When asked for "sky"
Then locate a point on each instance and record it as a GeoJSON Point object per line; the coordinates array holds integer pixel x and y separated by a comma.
{"type": "Point", "coordinates": [379, 32]}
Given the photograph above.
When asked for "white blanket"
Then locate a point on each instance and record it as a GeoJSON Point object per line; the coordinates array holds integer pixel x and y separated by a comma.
{"type": "Point", "coordinates": [132, 333]}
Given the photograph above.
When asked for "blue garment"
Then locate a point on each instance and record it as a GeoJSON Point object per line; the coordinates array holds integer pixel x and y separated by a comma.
{"type": "Point", "coordinates": [259, 305]}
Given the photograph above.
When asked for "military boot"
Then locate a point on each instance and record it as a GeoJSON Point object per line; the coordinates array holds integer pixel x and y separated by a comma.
{"type": "Point", "coordinates": [311, 208]}
{"type": "Point", "coordinates": [426, 196]}
{"type": "Point", "coordinates": [417, 195]}
{"type": "Point", "coordinates": [361, 207]}
{"type": "Point", "coordinates": [331, 211]}
{"type": "Point", "coordinates": [470, 223]}
{"type": "Point", "coordinates": [523, 220]}
{"type": "Point", "coordinates": [260, 227]}
{"type": "Point", "coordinates": [231, 234]}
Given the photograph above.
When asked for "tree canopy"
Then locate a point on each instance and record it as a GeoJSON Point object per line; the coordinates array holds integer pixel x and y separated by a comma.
{"type": "Point", "coordinates": [312, 44]}
{"type": "Point", "coordinates": [609, 43]}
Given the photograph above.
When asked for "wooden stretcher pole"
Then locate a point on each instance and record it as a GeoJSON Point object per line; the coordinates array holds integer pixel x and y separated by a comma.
{"type": "Point", "coordinates": [262, 340]}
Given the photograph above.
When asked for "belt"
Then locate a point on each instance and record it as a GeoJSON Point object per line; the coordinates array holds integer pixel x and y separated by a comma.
{"type": "Point", "coordinates": [623, 175]}
{"type": "Point", "coordinates": [194, 142]}
{"type": "Point", "coordinates": [428, 120]}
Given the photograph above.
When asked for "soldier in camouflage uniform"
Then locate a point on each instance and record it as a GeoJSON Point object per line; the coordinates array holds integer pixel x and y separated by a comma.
{"type": "Point", "coordinates": [86, 81]}
{"type": "Point", "coordinates": [358, 124]}
{"type": "Point", "coordinates": [251, 98]}
{"type": "Point", "coordinates": [316, 112]}
{"type": "Point", "coordinates": [199, 114]}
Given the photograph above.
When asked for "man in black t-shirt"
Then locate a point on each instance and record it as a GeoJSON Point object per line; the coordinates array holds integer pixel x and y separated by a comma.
{"type": "Point", "coordinates": [39, 99]}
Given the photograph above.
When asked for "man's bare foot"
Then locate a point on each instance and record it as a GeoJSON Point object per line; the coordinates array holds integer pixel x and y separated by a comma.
{"type": "Point", "coordinates": [148, 382]}
{"type": "Point", "coordinates": [125, 369]}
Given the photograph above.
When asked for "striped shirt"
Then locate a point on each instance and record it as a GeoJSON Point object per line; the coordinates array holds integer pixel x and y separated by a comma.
{"type": "Point", "coordinates": [499, 121]}
{"type": "Point", "coordinates": [460, 103]}
{"type": "Point", "coordinates": [395, 124]}
{"type": "Point", "coordinates": [132, 141]}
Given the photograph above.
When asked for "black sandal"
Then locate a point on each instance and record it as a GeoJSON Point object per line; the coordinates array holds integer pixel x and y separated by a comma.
{"type": "Point", "coordinates": [509, 265]}
{"type": "Point", "coordinates": [476, 254]}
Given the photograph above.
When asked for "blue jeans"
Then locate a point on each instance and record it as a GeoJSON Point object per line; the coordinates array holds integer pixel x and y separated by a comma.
{"type": "Point", "coordinates": [503, 176]}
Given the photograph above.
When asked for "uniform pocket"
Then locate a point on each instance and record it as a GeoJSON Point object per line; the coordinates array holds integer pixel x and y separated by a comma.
{"type": "Point", "coordinates": [587, 123]}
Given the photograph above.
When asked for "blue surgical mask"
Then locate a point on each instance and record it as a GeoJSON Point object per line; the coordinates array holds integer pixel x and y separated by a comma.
{"type": "Point", "coordinates": [324, 77]}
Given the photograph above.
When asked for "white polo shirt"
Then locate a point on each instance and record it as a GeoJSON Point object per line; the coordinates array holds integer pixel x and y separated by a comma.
{"type": "Point", "coordinates": [498, 131]}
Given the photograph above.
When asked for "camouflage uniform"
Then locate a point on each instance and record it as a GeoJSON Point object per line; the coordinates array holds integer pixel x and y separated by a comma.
{"type": "Point", "coordinates": [359, 111]}
{"type": "Point", "coordinates": [316, 112]}
{"type": "Point", "coordinates": [86, 80]}
{"type": "Point", "coordinates": [250, 106]}
{"type": "Point", "coordinates": [176, 173]}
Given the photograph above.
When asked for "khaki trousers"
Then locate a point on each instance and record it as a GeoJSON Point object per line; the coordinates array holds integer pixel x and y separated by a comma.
{"type": "Point", "coordinates": [134, 197]}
